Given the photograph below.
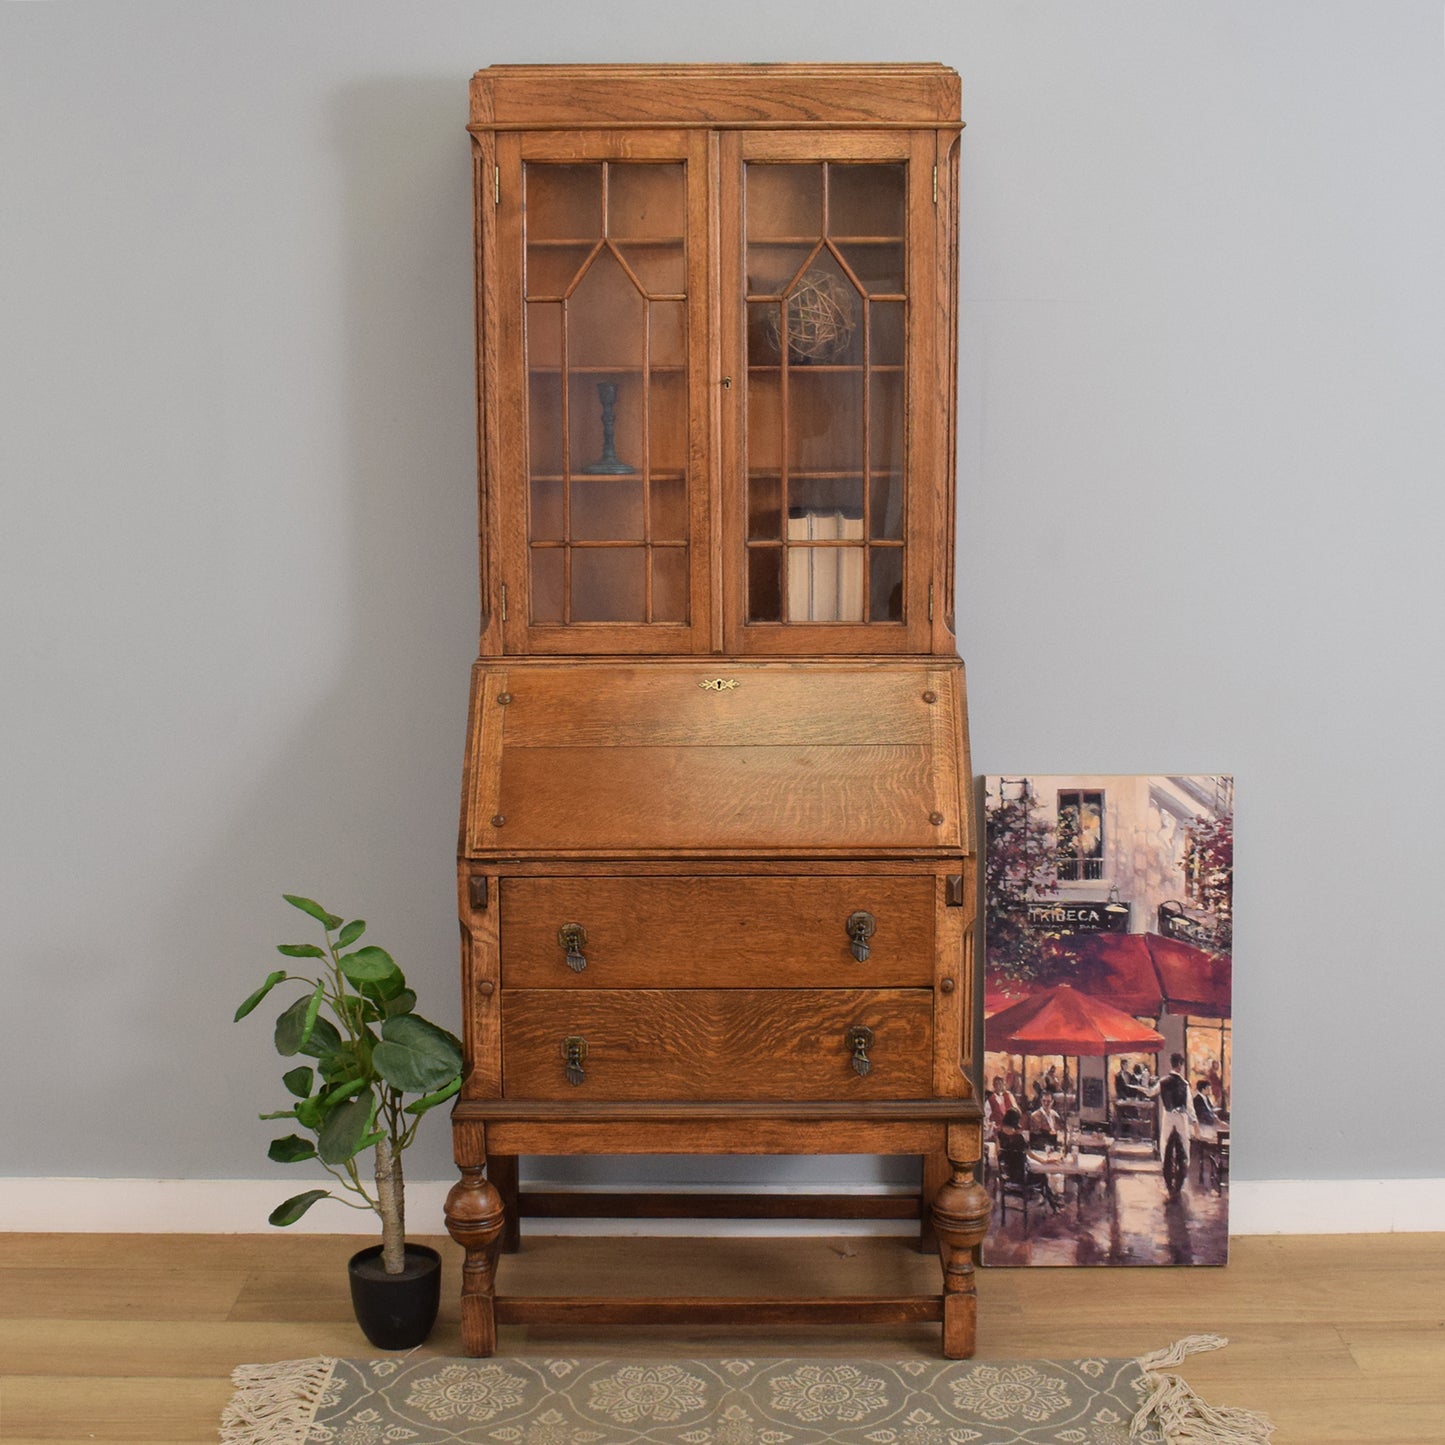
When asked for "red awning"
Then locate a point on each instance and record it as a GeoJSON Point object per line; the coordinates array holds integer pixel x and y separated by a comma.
{"type": "Point", "coordinates": [1193, 979]}
{"type": "Point", "coordinates": [1061, 1020]}
{"type": "Point", "coordinates": [1142, 973]}
{"type": "Point", "coordinates": [1113, 966]}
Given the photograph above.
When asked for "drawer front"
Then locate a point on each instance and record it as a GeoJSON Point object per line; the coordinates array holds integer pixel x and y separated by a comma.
{"type": "Point", "coordinates": [718, 932]}
{"type": "Point", "coordinates": [750, 1044]}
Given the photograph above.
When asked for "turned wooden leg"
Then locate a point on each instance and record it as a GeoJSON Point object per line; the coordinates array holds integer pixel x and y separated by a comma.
{"type": "Point", "coordinates": [960, 1220]}
{"type": "Point", "coordinates": [502, 1171]}
{"type": "Point", "coordinates": [475, 1219]}
{"type": "Point", "coordinates": [936, 1173]}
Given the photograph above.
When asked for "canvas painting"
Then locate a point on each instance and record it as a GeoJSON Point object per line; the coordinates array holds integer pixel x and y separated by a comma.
{"type": "Point", "coordinates": [1107, 1018]}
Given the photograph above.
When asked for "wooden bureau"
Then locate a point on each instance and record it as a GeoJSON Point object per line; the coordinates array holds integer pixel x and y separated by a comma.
{"type": "Point", "coordinates": [716, 869]}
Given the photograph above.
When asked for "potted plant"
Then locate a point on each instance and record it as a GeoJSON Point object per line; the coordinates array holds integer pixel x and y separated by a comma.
{"type": "Point", "coordinates": [357, 1019]}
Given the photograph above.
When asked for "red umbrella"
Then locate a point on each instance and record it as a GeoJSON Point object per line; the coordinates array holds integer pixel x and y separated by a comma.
{"type": "Point", "coordinates": [1060, 1020]}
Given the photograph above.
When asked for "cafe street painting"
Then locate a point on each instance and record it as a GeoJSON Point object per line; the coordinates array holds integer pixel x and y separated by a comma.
{"type": "Point", "coordinates": [1107, 1018]}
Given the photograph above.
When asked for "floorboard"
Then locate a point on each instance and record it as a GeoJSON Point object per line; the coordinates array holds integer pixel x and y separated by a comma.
{"type": "Point", "coordinates": [133, 1337]}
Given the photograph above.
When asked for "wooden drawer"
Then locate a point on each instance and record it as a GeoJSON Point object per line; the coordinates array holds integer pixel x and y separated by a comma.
{"type": "Point", "coordinates": [738, 932]}
{"type": "Point", "coordinates": [717, 1043]}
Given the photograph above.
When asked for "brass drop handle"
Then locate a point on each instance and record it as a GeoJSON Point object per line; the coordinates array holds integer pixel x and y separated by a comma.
{"type": "Point", "coordinates": [573, 938]}
{"type": "Point", "coordinates": [859, 1040]}
{"type": "Point", "coordinates": [574, 1055]}
{"type": "Point", "coordinates": [861, 927]}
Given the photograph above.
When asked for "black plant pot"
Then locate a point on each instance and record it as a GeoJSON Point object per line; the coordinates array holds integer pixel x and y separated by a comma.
{"type": "Point", "coordinates": [396, 1311]}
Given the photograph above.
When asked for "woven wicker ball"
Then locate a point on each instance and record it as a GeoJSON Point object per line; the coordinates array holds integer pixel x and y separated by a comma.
{"type": "Point", "coordinates": [820, 318]}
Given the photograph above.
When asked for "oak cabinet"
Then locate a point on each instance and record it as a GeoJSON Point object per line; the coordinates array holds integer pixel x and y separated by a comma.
{"type": "Point", "coordinates": [716, 862]}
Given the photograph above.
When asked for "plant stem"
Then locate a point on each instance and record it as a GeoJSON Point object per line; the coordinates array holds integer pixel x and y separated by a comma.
{"type": "Point", "coordinates": [389, 1205]}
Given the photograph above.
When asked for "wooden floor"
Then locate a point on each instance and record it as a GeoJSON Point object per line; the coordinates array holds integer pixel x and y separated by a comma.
{"type": "Point", "coordinates": [132, 1337]}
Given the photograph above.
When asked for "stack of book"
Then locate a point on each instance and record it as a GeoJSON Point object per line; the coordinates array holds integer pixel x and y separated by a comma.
{"type": "Point", "coordinates": [825, 577]}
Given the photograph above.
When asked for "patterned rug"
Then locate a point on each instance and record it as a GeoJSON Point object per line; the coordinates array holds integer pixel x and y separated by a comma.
{"type": "Point", "coordinates": [426, 1400]}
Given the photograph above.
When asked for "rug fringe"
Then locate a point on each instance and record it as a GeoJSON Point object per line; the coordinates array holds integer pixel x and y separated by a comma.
{"type": "Point", "coordinates": [275, 1404]}
{"type": "Point", "coordinates": [1180, 1416]}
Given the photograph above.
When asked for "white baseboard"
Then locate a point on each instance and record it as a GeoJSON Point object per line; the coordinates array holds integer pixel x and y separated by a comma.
{"type": "Point", "coordinates": [240, 1206]}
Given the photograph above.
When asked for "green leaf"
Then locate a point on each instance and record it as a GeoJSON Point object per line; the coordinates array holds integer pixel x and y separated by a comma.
{"type": "Point", "coordinates": [291, 1150]}
{"type": "Point", "coordinates": [272, 979]}
{"type": "Point", "coordinates": [324, 1041]}
{"type": "Point", "coordinates": [430, 1101]}
{"type": "Point", "coordinates": [313, 1012]}
{"type": "Point", "coordinates": [295, 1207]}
{"type": "Point", "coordinates": [403, 1003]}
{"type": "Point", "coordinates": [351, 933]}
{"type": "Point", "coordinates": [345, 1127]}
{"type": "Point", "coordinates": [298, 1081]}
{"type": "Point", "coordinates": [300, 950]}
{"type": "Point", "coordinates": [414, 1056]}
{"type": "Point", "coordinates": [369, 965]}
{"type": "Point", "coordinates": [370, 1142]}
{"type": "Point", "coordinates": [291, 1032]}
{"type": "Point", "coordinates": [384, 989]}
{"type": "Point", "coordinates": [329, 921]}
{"type": "Point", "coordinates": [344, 1091]}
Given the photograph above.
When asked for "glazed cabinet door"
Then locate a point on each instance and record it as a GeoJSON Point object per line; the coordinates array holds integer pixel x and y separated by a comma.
{"type": "Point", "coordinates": [598, 431]}
{"type": "Point", "coordinates": [832, 431]}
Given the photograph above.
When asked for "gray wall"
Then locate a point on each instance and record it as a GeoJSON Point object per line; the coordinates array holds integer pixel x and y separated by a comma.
{"type": "Point", "coordinates": [1201, 466]}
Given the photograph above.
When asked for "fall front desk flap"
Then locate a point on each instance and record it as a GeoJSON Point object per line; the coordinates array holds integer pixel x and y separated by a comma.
{"type": "Point", "coordinates": [845, 757]}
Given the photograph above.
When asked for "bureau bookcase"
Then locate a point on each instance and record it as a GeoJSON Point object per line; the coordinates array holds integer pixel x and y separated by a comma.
{"type": "Point", "coordinates": [716, 868]}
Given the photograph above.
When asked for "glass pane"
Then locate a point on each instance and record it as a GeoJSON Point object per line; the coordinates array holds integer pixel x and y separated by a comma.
{"type": "Point", "coordinates": [668, 341]}
{"type": "Point", "coordinates": [659, 269]}
{"type": "Point", "coordinates": [772, 269]}
{"type": "Point", "coordinates": [544, 334]}
{"type": "Point", "coordinates": [547, 563]}
{"type": "Point", "coordinates": [783, 201]}
{"type": "Point", "coordinates": [765, 508]}
{"type": "Point", "coordinates": [606, 317]}
{"type": "Point", "coordinates": [606, 511]}
{"type": "Point", "coordinates": [667, 415]}
{"type": "Point", "coordinates": [563, 202]}
{"type": "Point", "coordinates": [831, 497]}
{"type": "Point", "coordinates": [885, 584]}
{"type": "Point", "coordinates": [764, 592]}
{"type": "Point", "coordinates": [878, 267]}
{"type": "Point", "coordinates": [646, 201]}
{"type": "Point", "coordinates": [765, 325]}
{"type": "Point", "coordinates": [867, 200]}
{"type": "Point", "coordinates": [765, 424]}
{"type": "Point", "coordinates": [885, 501]}
{"type": "Point", "coordinates": [885, 422]}
{"type": "Point", "coordinates": [552, 269]}
{"type": "Point", "coordinates": [544, 423]}
{"type": "Point", "coordinates": [886, 332]}
{"type": "Point", "coordinates": [824, 316]}
{"type": "Point", "coordinates": [825, 575]}
{"type": "Point", "coordinates": [546, 522]}
{"type": "Point", "coordinates": [606, 425]}
{"type": "Point", "coordinates": [825, 421]}
{"type": "Point", "coordinates": [669, 509]}
{"type": "Point", "coordinates": [669, 584]}
{"type": "Point", "coordinates": [609, 584]}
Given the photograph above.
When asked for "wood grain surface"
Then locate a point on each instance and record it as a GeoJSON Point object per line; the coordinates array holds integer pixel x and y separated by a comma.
{"type": "Point", "coordinates": [134, 1337]}
{"type": "Point", "coordinates": [717, 1043]}
{"type": "Point", "coordinates": [568, 96]}
{"type": "Point", "coordinates": [718, 932]}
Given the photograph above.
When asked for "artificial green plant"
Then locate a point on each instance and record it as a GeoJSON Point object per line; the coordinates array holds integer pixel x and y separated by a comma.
{"type": "Point", "coordinates": [357, 1020]}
